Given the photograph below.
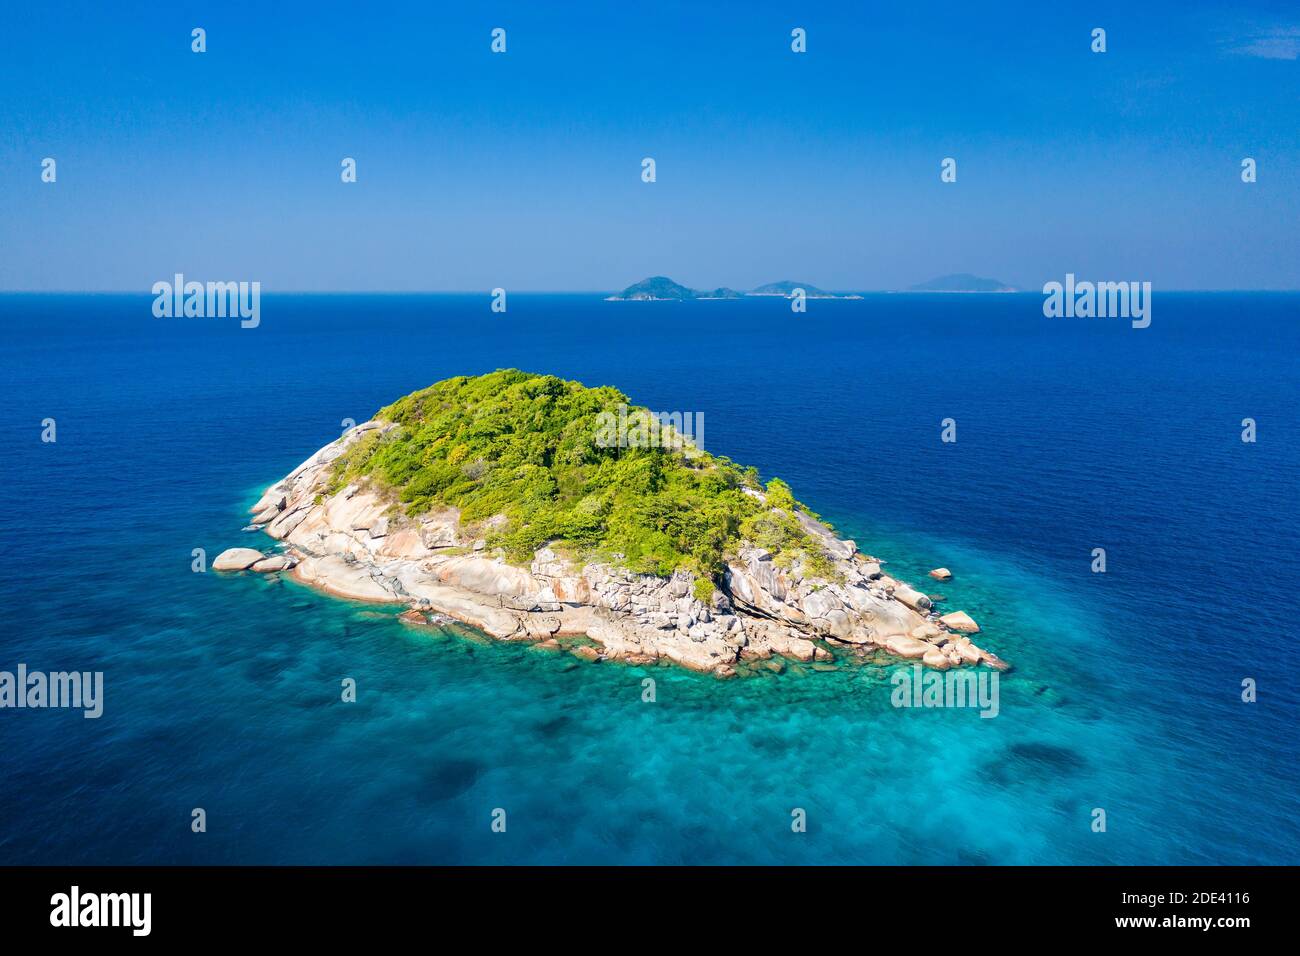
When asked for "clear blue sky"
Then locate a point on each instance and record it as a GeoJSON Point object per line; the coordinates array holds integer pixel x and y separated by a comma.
{"type": "Point", "coordinates": [523, 170]}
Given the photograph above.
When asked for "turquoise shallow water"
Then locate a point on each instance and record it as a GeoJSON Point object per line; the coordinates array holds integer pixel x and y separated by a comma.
{"type": "Point", "coordinates": [222, 692]}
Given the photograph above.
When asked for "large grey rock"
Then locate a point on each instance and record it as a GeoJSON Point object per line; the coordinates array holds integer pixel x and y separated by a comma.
{"type": "Point", "coordinates": [276, 562]}
{"type": "Point", "coordinates": [820, 603]}
{"type": "Point", "coordinates": [960, 621]}
{"type": "Point", "coordinates": [912, 598]}
{"type": "Point", "coordinates": [839, 623]}
{"type": "Point", "coordinates": [236, 559]}
{"type": "Point", "coordinates": [903, 646]}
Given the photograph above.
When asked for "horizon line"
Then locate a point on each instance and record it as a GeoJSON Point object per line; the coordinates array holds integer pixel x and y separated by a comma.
{"type": "Point", "coordinates": [589, 292]}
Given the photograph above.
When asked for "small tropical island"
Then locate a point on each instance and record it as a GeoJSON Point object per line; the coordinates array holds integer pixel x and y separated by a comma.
{"type": "Point", "coordinates": [499, 501]}
{"type": "Point", "coordinates": [961, 282]}
{"type": "Point", "coordinates": [664, 289]}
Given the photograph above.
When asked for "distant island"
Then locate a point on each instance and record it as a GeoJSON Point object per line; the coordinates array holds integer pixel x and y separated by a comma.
{"type": "Point", "coordinates": [961, 282]}
{"type": "Point", "coordinates": [664, 289]}
{"type": "Point", "coordinates": [785, 288]}
{"type": "Point", "coordinates": [504, 501]}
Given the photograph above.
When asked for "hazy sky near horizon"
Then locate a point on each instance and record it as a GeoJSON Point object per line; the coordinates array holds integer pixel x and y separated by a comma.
{"type": "Point", "coordinates": [523, 170]}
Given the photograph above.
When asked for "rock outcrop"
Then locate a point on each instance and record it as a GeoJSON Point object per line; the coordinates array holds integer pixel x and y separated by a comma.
{"type": "Point", "coordinates": [236, 559]}
{"type": "Point", "coordinates": [358, 543]}
{"type": "Point", "coordinates": [959, 621]}
{"type": "Point", "coordinates": [248, 559]}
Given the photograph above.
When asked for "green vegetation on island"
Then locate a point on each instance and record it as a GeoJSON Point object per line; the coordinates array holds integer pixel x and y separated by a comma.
{"type": "Point", "coordinates": [523, 449]}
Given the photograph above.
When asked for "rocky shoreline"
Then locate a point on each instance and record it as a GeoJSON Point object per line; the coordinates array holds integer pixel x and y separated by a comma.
{"type": "Point", "coordinates": [358, 543]}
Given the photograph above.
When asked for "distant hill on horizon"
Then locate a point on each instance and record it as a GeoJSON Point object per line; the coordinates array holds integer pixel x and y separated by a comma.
{"type": "Point", "coordinates": [658, 288]}
{"type": "Point", "coordinates": [961, 282]}
{"type": "Point", "coordinates": [664, 289]}
{"type": "Point", "coordinates": [786, 288]}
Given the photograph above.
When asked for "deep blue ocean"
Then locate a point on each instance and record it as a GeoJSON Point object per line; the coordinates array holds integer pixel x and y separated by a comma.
{"type": "Point", "coordinates": [223, 691]}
